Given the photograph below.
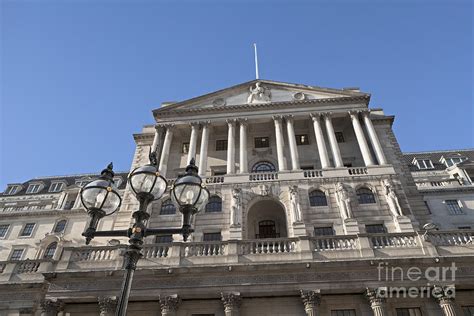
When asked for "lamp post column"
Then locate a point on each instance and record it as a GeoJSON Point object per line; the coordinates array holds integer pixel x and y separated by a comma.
{"type": "Point", "coordinates": [321, 143]}
{"type": "Point", "coordinates": [193, 141]}
{"type": "Point", "coordinates": [280, 143]}
{"type": "Point", "coordinates": [204, 148]}
{"type": "Point", "coordinates": [295, 163]}
{"type": "Point", "coordinates": [231, 146]}
{"type": "Point", "coordinates": [243, 167]}
{"type": "Point", "coordinates": [364, 147]}
{"type": "Point", "coordinates": [374, 139]}
{"type": "Point", "coordinates": [336, 154]}
{"type": "Point", "coordinates": [165, 153]}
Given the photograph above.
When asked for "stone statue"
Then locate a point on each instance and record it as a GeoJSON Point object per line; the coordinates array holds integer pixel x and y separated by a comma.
{"type": "Point", "coordinates": [235, 207]}
{"type": "Point", "coordinates": [344, 201]}
{"type": "Point", "coordinates": [264, 191]}
{"type": "Point", "coordinates": [294, 204]}
{"type": "Point", "coordinates": [392, 199]}
{"type": "Point", "coordinates": [258, 94]}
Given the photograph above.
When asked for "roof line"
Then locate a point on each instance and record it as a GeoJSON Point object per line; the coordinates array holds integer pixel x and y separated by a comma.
{"type": "Point", "coordinates": [437, 151]}
{"type": "Point", "coordinates": [74, 175]}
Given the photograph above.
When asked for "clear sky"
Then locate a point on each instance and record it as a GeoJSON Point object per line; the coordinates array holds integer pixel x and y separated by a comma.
{"type": "Point", "coordinates": [78, 78]}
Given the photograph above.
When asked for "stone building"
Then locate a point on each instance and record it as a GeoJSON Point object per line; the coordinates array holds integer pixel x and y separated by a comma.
{"type": "Point", "coordinates": [314, 210]}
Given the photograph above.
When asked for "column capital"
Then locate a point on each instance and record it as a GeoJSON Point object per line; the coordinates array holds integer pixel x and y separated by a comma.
{"type": "Point", "coordinates": [195, 124]}
{"type": "Point", "coordinates": [243, 121]}
{"type": "Point", "coordinates": [315, 116]}
{"type": "Point", "coordinates": [205, 123]}
{"type": "Point", "coordinates": [231, 121]}
{"type": "Point", "coordinates": [277, 117]}
{"type": "Point", "coordinates": [311, 298]}
{"type": "Point", "coordinates": [167, 126]}
{"type": "Point", "coordinates": [353, 113]}
{"type": "Point", "coordinates": [51, 306]}
{"type": "Point", "coordinates": [289, 118]}
{"type": "Point", "coordinates": [365, 112]}
{"type": "Point", "coordinates": [107, 304]}
{"type": "Point", "coordinates": [231, 300]}
{"type": "Point", "coordinates": [373, 298]}
{"type": "Point", "coordinates": [159, 127]}
{"type": "Point", "coordinates": [169, 303]}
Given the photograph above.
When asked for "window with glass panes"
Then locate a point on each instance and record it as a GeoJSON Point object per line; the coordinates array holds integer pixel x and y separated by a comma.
{"type": "Point", "coordinates": [453, 160]}
{"type": "Point", "coordinates": [263, 166]}
{"type": "Point", "coordinates": [262, 142]}
{"type": "Point", "coordinates": [4, 230]}
{"type": "Point", "coordinates": [317, 198]}
{"type": "Point", "coordinates": [11, 190]}
{"type": "Point", "coordinates": [343, 312]}
{"type": "Point", "coordinates": [16, 254]}
{"type": "Point", "coordinates": [339, 137]}
{"type": "Point", "coordinates": [49, 252]}
{"type": "Point", "coordinates": [33, 188]}
{"type": "Point", "coordinates": [468, 310]}
{"type": "Point", "coordinates": [365, 196]}
{"type": "Point", "coordinates": [221, 144]}
{"type": "Point", "coordinates": [185, 148]}
{"type": "Point", "coordinates": [214, 205]}
{"type": "Point", "coordinates": [60, 226]}
{"type": "Point", "coordinates": [56, 187]}
{"type": "Point", "coordinates": [212, 237]}
{"type": "Point", "coordinates": [453, 207]}
{"type": "Point", "coordinates": [27, 230]}
{"type": "Point", "coordinates": [164, 239]}
{"type": "Point", "coordinates": [323, 231]}
{"type": "Point", "coordinates": [302, 139]}
{"type": "Point", "coordinates": [375, 229]}
{"type": "Point", "coordinates": [424, 164]}
{"type": "Point", "coordinates": [167, 208]}
{"type": "Point", "coordinates": [411, 311]}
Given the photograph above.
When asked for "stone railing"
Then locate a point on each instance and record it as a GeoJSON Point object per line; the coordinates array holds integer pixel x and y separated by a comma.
{"type": "Point", "coordinates": [441, 184]}
{"type": "Point", "coordinates": [269, 246]}
{"type": "Point", "coordinates": [334, 243]}
{"type": "Point", "coordinates": [454, 238]}
{"type": "Point", "coordinates": [358, 171]}
{"type": "Point", "coordinates": [313, 173]}
{"type": "Point", "coordinates": [394, 240]}
{"type": "Point", "coordinates": [263, 176]}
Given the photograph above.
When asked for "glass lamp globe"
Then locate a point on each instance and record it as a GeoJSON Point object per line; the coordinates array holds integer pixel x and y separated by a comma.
{"type": "Point", "coordinates": [146, 182]}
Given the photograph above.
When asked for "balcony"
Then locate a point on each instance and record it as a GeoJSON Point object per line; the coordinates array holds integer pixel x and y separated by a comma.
{"type": "Point", "coordinates": [244, 252]}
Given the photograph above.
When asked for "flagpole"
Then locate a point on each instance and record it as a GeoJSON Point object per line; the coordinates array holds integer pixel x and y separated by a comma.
{"type": "Point", "coordinates": [256, 61]}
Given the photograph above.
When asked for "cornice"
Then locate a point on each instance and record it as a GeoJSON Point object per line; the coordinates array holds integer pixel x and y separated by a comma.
{"type": "Point", "coordinates": [43, 212]}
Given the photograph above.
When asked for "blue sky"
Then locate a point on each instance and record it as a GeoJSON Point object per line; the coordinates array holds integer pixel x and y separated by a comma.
{"type": "Point", "coordinates": [78, 78]}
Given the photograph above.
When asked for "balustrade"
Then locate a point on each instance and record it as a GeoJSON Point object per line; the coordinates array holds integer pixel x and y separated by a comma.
{"type": "Point", "coordinates": [204, 249]}
{"type": "Point", "coordinates": [94, 254]}
{"type": "Point", "coordinates": [357, 171]}
{"type": "Point", "coordinates": [27, 266]}
{"type": "Point", "coordinates": [324, 243]}
{"type": "Point", "coordinates": [264, 176]}
{"type": "Point", "coordinates": [155, 251]}
{"type": "Point", "coordinates": [456, 238]}
{"type": "Point", "coordinates": [312, 173]}
{"type": "Point", "coordinates": [394, 240]}
{"type": "Point", "coordinates": [215, 179]}
{"type": "Point", "coordinates": [269, 246]}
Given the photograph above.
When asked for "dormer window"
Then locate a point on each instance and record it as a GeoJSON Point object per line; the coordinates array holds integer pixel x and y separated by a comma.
{"type": "Point", "coordinates": [423, 163]}
{"type": "Point", "coordinates": [12, 189]}
{"type": "Point", "coordinates": [451, 161]}
{"type": "Point", "coordinates": [56, 187]}
{"type": "Point", "coordinates": [81, 183]}
{"type": "Point", "coordinates": [33, 188]}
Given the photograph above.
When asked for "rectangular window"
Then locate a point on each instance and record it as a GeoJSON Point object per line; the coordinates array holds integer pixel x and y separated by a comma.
{"type": "Point", "coordinates": [454, 207]}
{"type": "Point", "coordinates": [17, 254]}
{"type": "Point", "coordinates": [302, 140]}
{"type": "Point", "coordinates": [81, 183]}
{"type": "Point", "coordinates": [339, 137]}
{"type": "Point", "coordinates": [468, 310]}
{"type": "Point", "coordinates": [4, 230]}
{"type": "Point", "coordinates": [27, 230]}
{"type": "Point", "coordinates": [221, 144]}
{"type": "Point", "coordinates": [164, 239]}
{"type": "Point", "coordinates": [375, 229]}
{"type": "Point", "coordinates": [323, 231]}
{"type": "Point", "coordinates": [11, 190]}
{"type": "Point", "coordinates": [212, 237]}
{"type": "Point", "coordinates": [464, 227]}
{"type": "Point", "coordinates": [33, 188]}
{"type": "Point", "coordinates": [343, 312]}
{"type": "Point", "coordinates": [56, 187]}
{"type": "Point", "coordinates": [220, 173]}
{"type": "Point", "coordinates": [262, 142]}
{"type": "Point", "coordinates": [185, 148]}
{"type": "Point", "coordinates": [415, 311]}
{"type": "Point", "coordinates": [307, 167]}
{"type": "Point", "coordinates": [424, 164]}
{"type": "Point", "coordinates": [454, 160]}
{"type": "Point", "coordinates": [348, 165]}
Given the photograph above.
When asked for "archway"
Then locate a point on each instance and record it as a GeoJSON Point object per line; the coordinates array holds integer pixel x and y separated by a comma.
{"type": "Point", "coordinates": [266, 219]}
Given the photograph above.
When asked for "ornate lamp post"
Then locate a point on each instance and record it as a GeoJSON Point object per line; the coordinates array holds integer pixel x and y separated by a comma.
{"type": "Point", "coordinates": [101, 198]}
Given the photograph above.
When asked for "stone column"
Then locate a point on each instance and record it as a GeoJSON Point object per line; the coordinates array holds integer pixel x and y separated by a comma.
{"type": "Point", "coordinates": [374, 139]}
{"type": "Point", "coordinates": [376, 303]}
{"type": "Point", "coordinates": [107, 305]}
{"type": "Point", "coordinates": [193, 141]}
{"type": "Point", "coordinates": [447, 305]}
{"type": "Point", "coordinates": [169, 305]}
{"type": "Point", "coordinates": [280, 143]}
{"type": "Point", "coordinates": [243, 163]}
{"type": "Point", "coordinates": [364, 147]}
{"type": "Point", "coordinates": [231, 146]}
{"type": "Point", "coordinates": [156, 146]}
{"type": "Point", "coordinates": [295, 163]}
{"type": "Point", "coordinates": [165, 153]}
{"type": "Point", "coordinates": [50, 307]}
{"type": "Point", "coordinates": [204, 148]}
{"type": "Point", "coordinates": [320, 142]}
{"type": "Point", "coordinates": [231, 303]}
{"type": "Point", "coordinates": [336, 154]}
{"type": "Point", "coordinates": [311, 301]}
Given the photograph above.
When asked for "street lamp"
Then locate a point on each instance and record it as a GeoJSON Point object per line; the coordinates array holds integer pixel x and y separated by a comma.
{"type": "Point", "coordinates": [101, 198]}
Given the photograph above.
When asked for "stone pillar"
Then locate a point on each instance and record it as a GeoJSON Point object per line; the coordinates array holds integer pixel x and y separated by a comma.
{"type": "Point", "coordinates": [280, 143]}
{"type": "Point", "coordinates": [169, 305]}
{"type": "Point", "coordinates": [231, 303]}
{"type": "Point", "coordinates": [193, 141]}
{"type": "Point", "coordinates": [320, 142]}
{"type": "Point", "coordinates": [50, 307]}
{"type": "Point", "coordinates": [295, 163]}
{"type": "Point", "coordinates": [204, 148]}
{"type": "Point", "coordinates": [311, 301]}
{"type": "Point", "coordinates": [107, 305]}
{"type": "Point", "coordinates": [243, 163]}
{"type": "Point", "coordinates": [165, 153]}
{"type": "Point", "coordinates": [374, 139]}
{"type": "Point", "coordinates": [364, 147]}
{"type": "Point", "coordinates": [336, 154]}
{"type": "Point", "coordinates": [376, 303]}
{"type": "Point", "coordinates": [156, 146]}
{"type": "Point", "coordinates": [447, 305]}
{"type": "Point", "coordinates": [231, 147]}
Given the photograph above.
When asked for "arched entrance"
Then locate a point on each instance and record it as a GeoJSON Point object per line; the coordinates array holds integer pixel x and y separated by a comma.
{"type": "Point", "coordinates": [266, 219]}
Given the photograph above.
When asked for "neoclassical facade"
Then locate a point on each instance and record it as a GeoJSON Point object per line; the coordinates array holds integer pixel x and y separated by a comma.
{"type": "Point", "coordinates": [312, 206]}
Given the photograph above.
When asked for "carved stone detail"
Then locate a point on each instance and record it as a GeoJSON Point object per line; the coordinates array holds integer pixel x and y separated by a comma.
{"type": "Point", "coordinates": [376, 303]}
{"type": "Point", "coordinates": [169, 304]}
{"type": "Point", "coordinates": [51, 307]}
{"type": "Point", "coordinates": [311, 300]}
{"type": "Point", "coordinates": [258, 94]}
{"type": "Point", "coordinates": [231, 303]}
{"type": "Point", "coordinates": [107, 305]}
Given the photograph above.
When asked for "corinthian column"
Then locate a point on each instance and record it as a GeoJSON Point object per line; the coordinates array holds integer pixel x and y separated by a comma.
{"type": "Point", "coordinates": [165, 153]}
{"type": "Point", "coordinates": [280, 143]}
{"type": "Point", "coordinates": [204, 147]}
{"type": "Point", "coordinates": [320, 142]}
{"type": "Point", "coordinates": [231, 147]}
{"type": "Point", "coordinates": [376, 303]}
{"type": "Point", "coordinates": [243, 164]}
{"type": "Point", "coordinates": [50, 307]}
{"type": "Point", "coordinates": [156, 146]}
{"type": "Point", "coordinates": [374, 139]}
{"type": "Point", "coordinates": [336, 154]}
{"type": "Point", "coordinates": [295, 163]}
{"type": "Point", "coordinates": [311, 301]}
{"type": "Point", "coordinates": [107, 305]}
{"type": "Point", "coordinates": [447, 305]}
{"type": "Point", "coordinates": [169, 305]}
{"type": "Point", "coordinates": [193, 141]}
{"type": "Point", "coordinates": [364, 148]}
{"type": "Point", "coordinates": [231, 303]}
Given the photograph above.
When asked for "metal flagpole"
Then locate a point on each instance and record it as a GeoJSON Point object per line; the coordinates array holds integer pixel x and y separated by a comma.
{"type": "Point", "coordinates": [256, 60]}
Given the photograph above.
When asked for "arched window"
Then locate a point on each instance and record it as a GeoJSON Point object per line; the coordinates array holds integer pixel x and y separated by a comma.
{"type": "Point", "coordinates": [365, 196]}
{"type": "Point", "coordinates": [214, 205]}
{"type": "Point", "coordinates": [317, 198]}
{"type": "Point", "coordinates": [49, 252]}
{"type": "Point", "coordinates": [60, 226]}
{"type": "Point", "coordinates": [263, 166]}
{"type": "Point", "coordinates": [267, 229]}
{"type": "Point", "coordinates": [167, 208]}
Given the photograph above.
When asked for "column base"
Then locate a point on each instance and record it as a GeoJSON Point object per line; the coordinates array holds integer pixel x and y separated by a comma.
{"type": "Point", "coordinates": [299, 229]}
{"type": "Point", "coordinates": [351, 226]}
{"type": "Point", "coordinates": [235, 232]}
{"type": "Point", "coordinates": [403, 224]}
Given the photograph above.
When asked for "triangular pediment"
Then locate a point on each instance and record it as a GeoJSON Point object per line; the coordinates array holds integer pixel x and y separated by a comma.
{"type": "Point", "coordinates": [257, 92]}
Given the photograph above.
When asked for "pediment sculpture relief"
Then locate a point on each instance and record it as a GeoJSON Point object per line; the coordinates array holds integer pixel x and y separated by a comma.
{"type": "Point", "coordinates": [258, 94]}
